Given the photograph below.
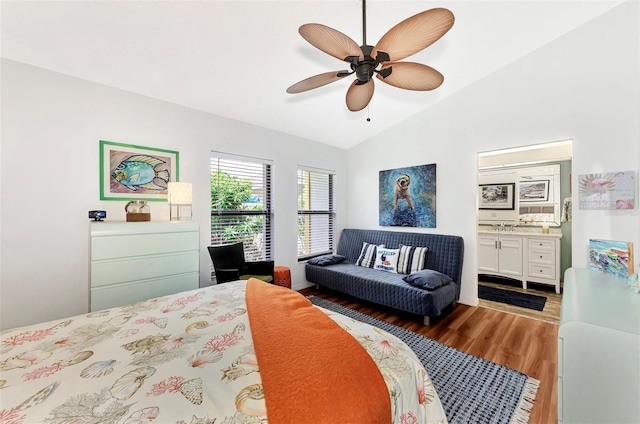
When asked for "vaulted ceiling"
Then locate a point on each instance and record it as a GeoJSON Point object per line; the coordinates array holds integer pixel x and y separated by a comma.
{"type": "Point", "coordinates": [236, 58]}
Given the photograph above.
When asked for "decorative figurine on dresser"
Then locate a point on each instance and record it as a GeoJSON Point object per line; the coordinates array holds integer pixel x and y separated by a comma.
{"type": "Point", "coordinates": [137, 211]}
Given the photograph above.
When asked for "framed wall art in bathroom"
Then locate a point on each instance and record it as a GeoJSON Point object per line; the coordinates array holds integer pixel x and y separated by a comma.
{"type": "Point", "coordinates": [497, 196]}
{"type": "Point", "coordinates": [533, 191]}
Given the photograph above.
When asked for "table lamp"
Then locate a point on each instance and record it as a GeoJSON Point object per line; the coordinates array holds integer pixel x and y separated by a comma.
{"type": "Point", "coordinates": [180, 197]}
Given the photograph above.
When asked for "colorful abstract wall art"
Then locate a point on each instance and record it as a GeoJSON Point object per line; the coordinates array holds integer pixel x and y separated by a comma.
{"type": "Point", "coordinates": [611, 257]}
{"type": "Point", "coordinates": [407, 197]}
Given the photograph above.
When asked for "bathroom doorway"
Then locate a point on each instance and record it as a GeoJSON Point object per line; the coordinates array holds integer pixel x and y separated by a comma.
{"type": "Point", "coordinates": [524, 228]}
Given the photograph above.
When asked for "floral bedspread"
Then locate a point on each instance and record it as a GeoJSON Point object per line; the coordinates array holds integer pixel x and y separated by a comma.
{"type": "Point", "coordinates": [184, 358]}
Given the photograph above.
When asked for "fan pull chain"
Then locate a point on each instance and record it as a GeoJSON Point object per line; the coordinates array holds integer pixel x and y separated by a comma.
{"type": "Point", "coordinates": [368, 119]}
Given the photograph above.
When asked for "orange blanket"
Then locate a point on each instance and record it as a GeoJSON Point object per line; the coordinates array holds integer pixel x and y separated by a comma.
{"type": "Point", "coordinates": [312, 370]}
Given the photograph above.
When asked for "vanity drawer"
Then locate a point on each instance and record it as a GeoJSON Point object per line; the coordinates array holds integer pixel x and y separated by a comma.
{"type": "Point", "coordinates": [542, 271]}
{"type": "Point", "coordinates": [542, 244]}
{"type": "Point", "coordinates": [545, 257]}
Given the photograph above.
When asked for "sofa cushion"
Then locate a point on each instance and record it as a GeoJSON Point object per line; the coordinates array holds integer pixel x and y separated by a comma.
{"type": "Point", "coordinates": [367, 255]}
{"type": "Point", "coordinates": [325, 260]}
{"type": "Point", "coordinates": [386, 260]}
{"type": "Point", "coordinates": [427, 279]}
{"type": "Point", "coordinates": [411, 259]}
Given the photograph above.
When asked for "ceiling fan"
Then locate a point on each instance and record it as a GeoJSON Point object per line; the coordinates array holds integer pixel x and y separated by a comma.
{"type": "Point", "coordinates": [406, 38]}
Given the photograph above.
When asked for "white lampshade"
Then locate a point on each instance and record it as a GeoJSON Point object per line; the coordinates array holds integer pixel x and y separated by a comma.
{"type": "Point", "coordinates": [179, 196]}
{"type": "Point", "coordinates": [180, 193]}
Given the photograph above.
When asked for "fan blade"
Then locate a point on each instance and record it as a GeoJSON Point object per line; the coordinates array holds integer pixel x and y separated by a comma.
{"type": "Point", "coordinates": [412, 76]}
{"type": "Point", "coordinates": [359, 95]}
{"type": "Point", "coordinates": [330, 41]}
{"type": "Point", "coordinates": [414, 34]}
{"type": "Point", "coordinates": [316, 81]}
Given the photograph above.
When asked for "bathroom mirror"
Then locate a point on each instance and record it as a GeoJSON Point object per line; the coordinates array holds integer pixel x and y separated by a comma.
{"type": "Point", "coordinates": [539, 195]}
{"type": "Point", "coordinates": [536, 195]}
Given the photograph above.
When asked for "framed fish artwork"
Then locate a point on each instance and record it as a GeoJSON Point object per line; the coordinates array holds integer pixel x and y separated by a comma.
{"type": "Point", "coordinates": [130, 172]}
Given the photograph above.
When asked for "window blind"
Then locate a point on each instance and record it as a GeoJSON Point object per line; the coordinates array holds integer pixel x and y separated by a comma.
{"type": "Point", "coordinates": [316, 213]}
{"type": "Point", "coordinates": [241, 204]}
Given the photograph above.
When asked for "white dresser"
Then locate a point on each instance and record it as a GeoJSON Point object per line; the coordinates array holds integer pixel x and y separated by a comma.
{"type": "Point", "coordinates": [526, 257]}
{"type": "Point", "coordinates": [134, 261]}
{"type": "Point", "coordinates": [598, 350]}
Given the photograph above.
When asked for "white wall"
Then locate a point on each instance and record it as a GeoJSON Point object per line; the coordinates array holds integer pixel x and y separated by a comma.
{"type": "Point", "coordinates": [51, 125]}
{"type": "Point", "coordinates": [583, 86]}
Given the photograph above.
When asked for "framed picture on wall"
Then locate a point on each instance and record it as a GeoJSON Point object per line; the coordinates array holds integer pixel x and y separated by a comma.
{"type": "Point", "coordinates": [407, 196]}
{"type": "Point", "coordinates": [130, 172]}
{"type": "Point", "coordinates": [533, 191]}
{"type": "Point", "coordinates": [611, 257]}
{"type": "Point", "coordinates": [497, 196]}
{"type": "Point", "coordinates": [616, 190]}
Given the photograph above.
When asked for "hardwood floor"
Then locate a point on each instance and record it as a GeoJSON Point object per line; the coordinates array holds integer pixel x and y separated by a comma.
{"type": "Point", "coordinates": [524, 344]}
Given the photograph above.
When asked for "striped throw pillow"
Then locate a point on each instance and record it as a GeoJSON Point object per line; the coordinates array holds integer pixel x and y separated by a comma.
{"type": "Point", "coordinates": [411, 259]}
{"type": "Point", "coordinates": [367, 255]}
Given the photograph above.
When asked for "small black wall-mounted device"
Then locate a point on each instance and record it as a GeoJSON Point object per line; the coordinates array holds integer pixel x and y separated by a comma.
{"type": "Point", "coordinates": [97, 215]}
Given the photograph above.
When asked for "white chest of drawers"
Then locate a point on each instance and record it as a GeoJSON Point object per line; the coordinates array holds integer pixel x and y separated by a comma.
{"type": "Point", "coordinates": [134, 261]}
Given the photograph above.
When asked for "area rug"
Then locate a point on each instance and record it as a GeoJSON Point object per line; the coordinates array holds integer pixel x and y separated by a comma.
{"type": "Point", "coordinates": [523, 300]}
{"type": "Point", "coordinates": [471, 389]}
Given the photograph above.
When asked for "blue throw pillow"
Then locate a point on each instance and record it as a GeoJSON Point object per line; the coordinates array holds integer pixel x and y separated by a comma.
{"type": "Point", "coordinates": [427, 279]}
{"type": "Point", "coordinates": [325, 260]}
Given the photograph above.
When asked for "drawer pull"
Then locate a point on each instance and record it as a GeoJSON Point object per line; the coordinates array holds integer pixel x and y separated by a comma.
{"type": "Point", "coordinates": [540, 257]}
{"type": "Point", "coordinates": [540, 270]}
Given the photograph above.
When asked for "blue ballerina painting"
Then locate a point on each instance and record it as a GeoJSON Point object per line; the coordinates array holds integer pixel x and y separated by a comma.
{"type": "Point", "coordinates": [407, 197]}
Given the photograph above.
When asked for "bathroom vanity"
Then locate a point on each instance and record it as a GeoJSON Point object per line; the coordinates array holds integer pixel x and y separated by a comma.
{"type": "Point", "coordinates": [526, 256]}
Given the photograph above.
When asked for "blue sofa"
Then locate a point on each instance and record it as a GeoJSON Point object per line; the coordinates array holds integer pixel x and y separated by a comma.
{"type": "Point", "coordinates": [445, 255]}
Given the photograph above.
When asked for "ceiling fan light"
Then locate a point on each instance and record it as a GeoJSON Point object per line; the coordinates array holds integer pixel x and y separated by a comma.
{"type": "Point", "coordinates": [364, 71]}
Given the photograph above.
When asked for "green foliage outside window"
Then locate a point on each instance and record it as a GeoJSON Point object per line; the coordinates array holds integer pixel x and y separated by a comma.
{"type": "Point", "coordinates": [230, 193]}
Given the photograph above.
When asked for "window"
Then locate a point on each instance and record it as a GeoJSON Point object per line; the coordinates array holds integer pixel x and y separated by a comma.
{"type": "Point", "coordinates": [241, 204]}
{"type": "Point", "coordinates": [316, 213]}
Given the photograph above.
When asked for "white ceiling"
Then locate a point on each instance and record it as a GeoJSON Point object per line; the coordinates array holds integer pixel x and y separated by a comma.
{"type": "Point", "coordinates": [236, 58]}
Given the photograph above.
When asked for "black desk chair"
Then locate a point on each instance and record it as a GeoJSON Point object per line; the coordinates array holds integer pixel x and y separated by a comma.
{"type": "Point", "coordinates": [229, 264]}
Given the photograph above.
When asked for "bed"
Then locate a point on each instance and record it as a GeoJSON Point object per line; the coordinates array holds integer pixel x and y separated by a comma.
{"type": "Point", "coordinates": [192, 358]}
